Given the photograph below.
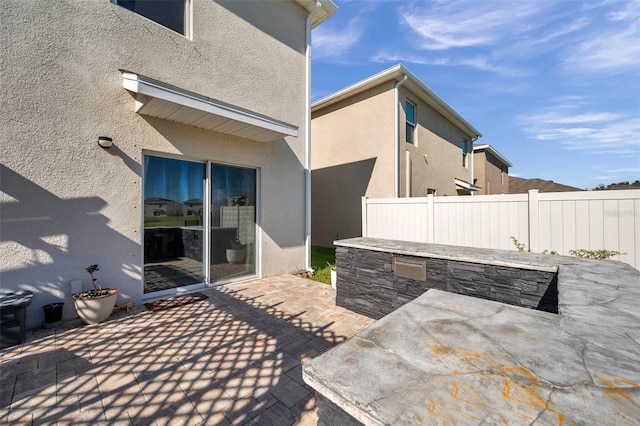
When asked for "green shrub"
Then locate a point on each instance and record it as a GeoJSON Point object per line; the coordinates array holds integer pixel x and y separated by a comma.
{"type": "Point", "coordinates": [584, 253]}
{"type": "Point", "coordinates": [323, 260]}
{"type": "Point", "coordinates": [595, 254]}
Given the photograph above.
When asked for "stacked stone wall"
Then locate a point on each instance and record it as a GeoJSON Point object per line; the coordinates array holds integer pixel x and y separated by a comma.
{"type": "Point", "coordinates": [368, 285]}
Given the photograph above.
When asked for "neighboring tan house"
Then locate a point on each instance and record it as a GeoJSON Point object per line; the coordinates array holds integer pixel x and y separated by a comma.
{"type": "Point", "coordinates": [106, 104]}
{"type": "Point", "coordinates": [521, 186]}
{"type": "Point", "coordinates": [386, 136]}
{"type": "Point", "coordinates": [491, 170]}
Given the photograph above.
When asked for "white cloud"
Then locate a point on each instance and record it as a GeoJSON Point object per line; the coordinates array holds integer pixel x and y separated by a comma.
{"type": "Point", "coordinates": [599, 37]}
{"type": "Point", "coordinates": [590, 132]}
{"type": "Point", "coordinates": [479, 62]}
{"type": "Point", "coordinates": [445, 25]}
{"type": "Point", "coordinates": [330, 42]}
{"type": "Point", "coordinates": [625, 170]}
{"type": "Point", "coordinates": [612, 51]}
{"type": "Point", "coordinates": [587, 117]}
{"type": "Point", "coordinates": [628, 11]}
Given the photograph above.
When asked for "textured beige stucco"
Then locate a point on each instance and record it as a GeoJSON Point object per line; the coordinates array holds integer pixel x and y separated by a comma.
{"type": "Point", "coordinates": [488, 171]}
{"type": "Point", "coordinates": [66, 203]}
{"type": "Point", "coordinates": [353, 155]}
{"type": "Point", "coordinates": [441, 142]}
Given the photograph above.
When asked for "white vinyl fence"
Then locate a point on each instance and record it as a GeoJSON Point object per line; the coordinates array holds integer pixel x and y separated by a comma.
{"type": "Point", "coordinates": [555, 221]}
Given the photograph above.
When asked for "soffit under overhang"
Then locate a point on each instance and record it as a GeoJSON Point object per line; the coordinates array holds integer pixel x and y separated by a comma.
{"type": "Point", "coordinates": [327, 8]}
{"type": "Point", "coordinates": [161, 100]}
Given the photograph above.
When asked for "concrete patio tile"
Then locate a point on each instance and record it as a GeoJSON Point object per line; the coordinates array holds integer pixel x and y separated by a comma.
{"type": "Point", "coordinates": [276, 415]}
{"type": "Point", "coordinates": [93, 416]}
{"type": "Point", "coordinates": [12, 367]}
{"type": "Point", "coordinates": [296, 374]}
{"type": "Point", "coordinates": [233, 358]}
{"type": "Point", "coordinates": [246, 409]}
{"type": "Point", "coordinates": [81, 390]}
{"type": "Point", "coordinates": [27, 384]}
{"type": "Point", "coordinates": [210, 400]}
{"type": "Point", "coordinates": [20, 419]}
{"type": "Point", "coordinates": [37, 403]}
{"type": "Point", "coordinates": [306, 407]}
{"type": "Point", "coordinates": [290, 392]}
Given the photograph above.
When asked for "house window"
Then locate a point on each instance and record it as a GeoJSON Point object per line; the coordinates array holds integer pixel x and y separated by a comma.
{"type": "Point", "coordinates": [410, 111]}
{"type": "Point", "coordinates": [172, 14]}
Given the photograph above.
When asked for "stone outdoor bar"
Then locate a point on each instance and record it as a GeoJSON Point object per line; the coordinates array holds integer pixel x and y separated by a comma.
{"type": "Point", "coordinates": [543, 339]}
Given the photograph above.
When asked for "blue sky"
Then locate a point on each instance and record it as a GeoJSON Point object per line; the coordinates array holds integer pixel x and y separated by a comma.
{"type": "Point", "coordinates": [554, 86]}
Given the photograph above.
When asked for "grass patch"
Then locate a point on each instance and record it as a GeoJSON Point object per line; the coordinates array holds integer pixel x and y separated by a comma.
{"type": "Point", "coordinates": [322, 260]}
{"type": "Point", "coordinates": [169, 221]}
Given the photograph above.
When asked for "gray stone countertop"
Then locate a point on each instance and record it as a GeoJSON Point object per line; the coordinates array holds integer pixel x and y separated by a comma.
{"type": "Point", "coordinates": [446, 358]}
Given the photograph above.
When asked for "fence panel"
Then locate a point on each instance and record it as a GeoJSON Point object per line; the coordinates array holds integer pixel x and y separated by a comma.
{"type": "Point", "coordinates": [486, 221]}
{"type": "Point", "coordinates": [559, 221]}
{"type": "Point", "coordinates": [398, 219]}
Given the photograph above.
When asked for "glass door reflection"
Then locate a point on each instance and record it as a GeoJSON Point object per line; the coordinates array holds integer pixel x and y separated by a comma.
{"type": "Point", "coordinates": [173, 223]}
{"type": "Point", "coordinates": [233, 222]}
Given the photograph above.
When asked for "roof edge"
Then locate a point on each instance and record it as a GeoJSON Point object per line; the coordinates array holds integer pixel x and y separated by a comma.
{"type": "Point", "coordinates": [494, 152]}
{"type": "Point", "coordinates": [397, 72]}
{"type": "Point", "coordinates": [327, 9]}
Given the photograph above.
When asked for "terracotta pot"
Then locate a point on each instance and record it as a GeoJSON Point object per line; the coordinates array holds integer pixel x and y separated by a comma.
{"type": "Point", "coordinates": [94, 310]}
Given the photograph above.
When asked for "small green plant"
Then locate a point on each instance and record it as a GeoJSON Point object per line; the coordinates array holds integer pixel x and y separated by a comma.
{"type": "Point", "coordinates": [546, 251]}
{"type": "Point", "coordinates": [523, 247]}
{"type": "Point", "coordinates": [97, 287]}
{"type": "Point", "coordinates": [520, 246]}
{"type": "Point", "coordinates": [91, 269]}
{"type": "Point", "coordinates": [595, 254]}
{"type": "Point", "coordinates": [587, 254]}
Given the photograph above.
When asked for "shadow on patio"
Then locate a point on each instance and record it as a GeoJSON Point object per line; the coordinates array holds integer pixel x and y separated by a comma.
{"type": "Point", "coordinates": [234, 358]}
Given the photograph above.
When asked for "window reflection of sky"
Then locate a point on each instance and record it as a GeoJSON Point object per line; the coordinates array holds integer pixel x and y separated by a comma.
{"type": "Point", "coordinates": [172, 179]}
{"type": "Point", "coordinates": [180, 180]}
{"type": "Point", "coordinates": [230, 182]}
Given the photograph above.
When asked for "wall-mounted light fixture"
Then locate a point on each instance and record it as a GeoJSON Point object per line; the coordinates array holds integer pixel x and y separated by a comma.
{"type": "Point", "coordinates": [105, 142]}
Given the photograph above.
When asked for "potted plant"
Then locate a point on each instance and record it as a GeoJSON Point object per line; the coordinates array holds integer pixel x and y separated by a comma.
{"type": "Point", "coordinates": [95, 306]}
{"type": "Point", "coordinates": [236, 253]}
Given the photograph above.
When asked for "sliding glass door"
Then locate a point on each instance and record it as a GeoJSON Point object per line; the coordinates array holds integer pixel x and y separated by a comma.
{"type": "Point", "coordinates": [233, 221]}
{"type": "Point", "coordinates": [192, 236]}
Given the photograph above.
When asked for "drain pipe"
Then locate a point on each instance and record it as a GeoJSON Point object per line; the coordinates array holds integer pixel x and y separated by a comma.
{"type": "Point", "coordinates": [472, 163]}
{"type": "Point", "coordinates": [307, 141]}
{"type": "Point", "coordinates": [396, 189]}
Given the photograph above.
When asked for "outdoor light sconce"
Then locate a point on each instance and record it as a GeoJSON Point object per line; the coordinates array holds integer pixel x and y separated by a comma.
{"type": "Point", "coordinates": [105, 142]}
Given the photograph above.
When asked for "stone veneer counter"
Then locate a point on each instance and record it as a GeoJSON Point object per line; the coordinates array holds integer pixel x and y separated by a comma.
{"type": "Point", "coordinates": [447, 358]}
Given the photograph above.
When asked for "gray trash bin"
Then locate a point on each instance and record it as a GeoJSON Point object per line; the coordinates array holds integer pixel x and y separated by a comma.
{"type": "Point", "coordinates": [13, 316]}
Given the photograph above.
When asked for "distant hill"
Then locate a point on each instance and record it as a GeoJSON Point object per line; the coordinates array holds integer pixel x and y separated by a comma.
{"type": "Point", "coordinates": [521, 186]}
{"type": "Point", "coordinates": [619, 185]}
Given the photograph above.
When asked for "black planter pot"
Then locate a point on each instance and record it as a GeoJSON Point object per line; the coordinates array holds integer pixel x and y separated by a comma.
{"type": "Point", "coordinates": [52, 314]}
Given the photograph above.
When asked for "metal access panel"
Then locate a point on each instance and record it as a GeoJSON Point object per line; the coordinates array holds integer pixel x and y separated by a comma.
{"type": "Point", "coordinates": [409, 267]}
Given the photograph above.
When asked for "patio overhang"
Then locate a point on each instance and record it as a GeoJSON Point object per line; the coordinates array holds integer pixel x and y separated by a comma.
{"type": "Point", "coordinates": [161, 100]}
{"type": "Point", "coordinates": [466, 186]}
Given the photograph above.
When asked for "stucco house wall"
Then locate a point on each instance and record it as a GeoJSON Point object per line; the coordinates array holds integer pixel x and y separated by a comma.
{"type": "Point", "coordinates": [67, 203]}
{"type": "Point", "coordinates": [435, 159]}
{"type": "Point", "coordinates": [353, 150]}
{"type": "Point", "coordinates": [491, 171]}
{"type": "Point", "coordinates": [350, 158]}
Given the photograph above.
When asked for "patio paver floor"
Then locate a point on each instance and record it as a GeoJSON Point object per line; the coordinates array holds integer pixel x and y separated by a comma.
{"type": "Point", "coordinates": [234, 358]}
